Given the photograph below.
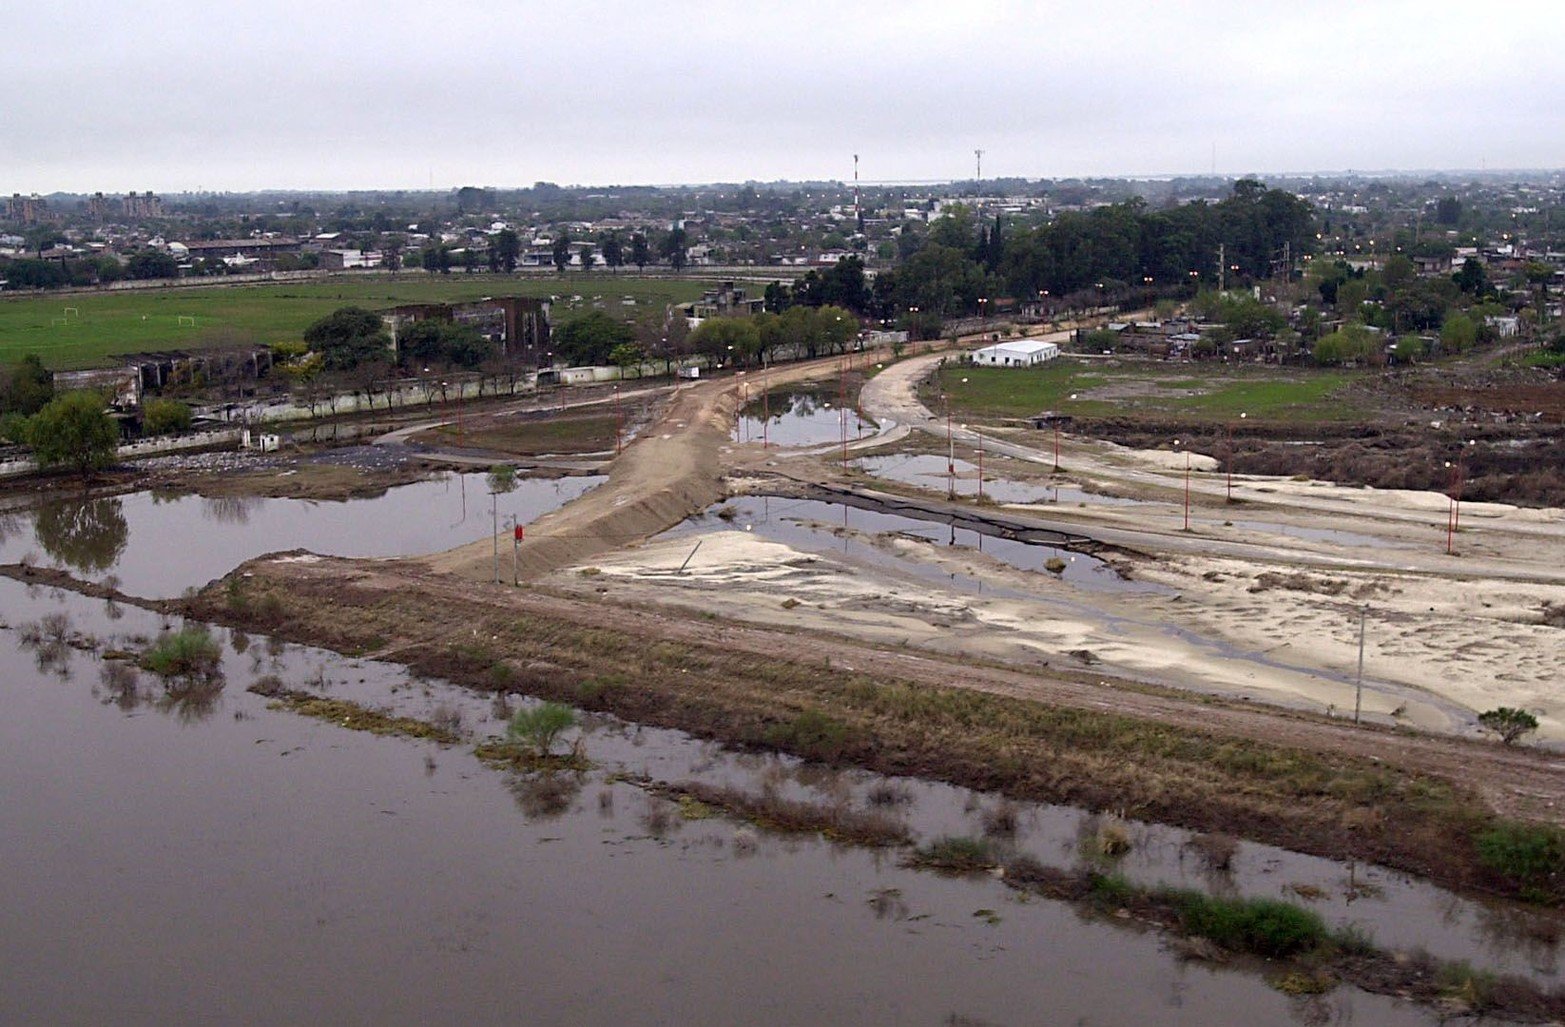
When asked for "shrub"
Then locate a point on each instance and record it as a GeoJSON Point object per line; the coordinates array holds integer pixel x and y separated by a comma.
{"type": "Point", "coordinates": [955, 853]}
{"type": "Point", "coordinates": [540, 725]}
{"type": "Point", "coordinates": [813, 735]}
{"type": "Point", "coordinates": [1532, 856]}
{"type": "Point", "coordinates": [187, 653]}
{"type": "Point", "coordinates": [164, 417]}
{"type": "Point", "coordinates": [1510, 724]}
{"type": "Point", "coordinates": [1265, 927]}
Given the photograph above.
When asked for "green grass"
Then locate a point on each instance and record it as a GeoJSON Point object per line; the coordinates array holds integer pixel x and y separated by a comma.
{"type": "Point", "coordinates": [1149, 390]}
{"type": "Point", "coordinates": [107, 324]}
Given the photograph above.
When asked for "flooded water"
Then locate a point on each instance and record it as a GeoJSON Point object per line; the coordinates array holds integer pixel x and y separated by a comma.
{"type": "Point", "coordinates": [929, 471]}
{"type": "Point", "coordinates": [820, 527]}
{"type": "Point", "coordinates": [170, 859]}
{"type": "Point", "coordinates": [158, 544]}
{"type": "Point", "coordinates": [800, 418]}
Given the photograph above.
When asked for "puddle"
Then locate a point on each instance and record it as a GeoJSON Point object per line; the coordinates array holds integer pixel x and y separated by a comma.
{"type": "Point", "coordinates": [1342, 538]}
{"type": "Point", "coordinates": [279, 862]}
{"type": "Point", "coordinates": [928, 471]}
{"type": "Point", "coordinates": [819, 527]}
{"type": "Point", "coordinates": [805, 418]}
{"type": "Point", "coordinates": [159, 544]}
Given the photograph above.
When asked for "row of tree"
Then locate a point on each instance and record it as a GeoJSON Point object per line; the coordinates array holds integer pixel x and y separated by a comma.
{"type": "Point", "coordinates": [67, 272]}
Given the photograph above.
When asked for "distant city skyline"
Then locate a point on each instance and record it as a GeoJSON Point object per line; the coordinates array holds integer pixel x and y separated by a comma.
{"type": "Point", "coordinates": [116, 97]}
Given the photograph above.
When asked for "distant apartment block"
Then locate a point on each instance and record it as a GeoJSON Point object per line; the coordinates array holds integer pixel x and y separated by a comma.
{"type": "Point", "coordinates": [27, 209]}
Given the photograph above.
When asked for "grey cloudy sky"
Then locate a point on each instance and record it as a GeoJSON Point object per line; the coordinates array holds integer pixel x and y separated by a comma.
{"type": "Point", "coordinates": [122, 94]}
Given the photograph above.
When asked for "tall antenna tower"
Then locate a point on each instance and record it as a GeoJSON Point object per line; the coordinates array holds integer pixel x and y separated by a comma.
{"type": "Point", "coordinates": [858, 211]}
{"type": "Point", "coordinates": [979, 154]}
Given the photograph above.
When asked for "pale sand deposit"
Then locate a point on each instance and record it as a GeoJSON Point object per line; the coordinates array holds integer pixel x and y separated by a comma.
{"type": "Point", "coordinates": [1428, 667]}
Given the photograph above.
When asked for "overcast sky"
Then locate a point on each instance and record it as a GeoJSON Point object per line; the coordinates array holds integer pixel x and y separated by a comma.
{"type": "Point", "coordinates": [121, 94]}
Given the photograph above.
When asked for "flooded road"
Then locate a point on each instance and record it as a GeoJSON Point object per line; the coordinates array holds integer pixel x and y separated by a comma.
{"type": "Point", "coordinates": [233, 863]}
{"type": "Point", "coordinates": [159, 544]}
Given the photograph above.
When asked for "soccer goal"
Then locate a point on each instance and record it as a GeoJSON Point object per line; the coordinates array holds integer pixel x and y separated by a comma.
{"type": "Point", "coordinates": [186, 321]}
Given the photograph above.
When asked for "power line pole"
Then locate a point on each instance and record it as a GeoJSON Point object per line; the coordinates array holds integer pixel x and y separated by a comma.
{"type": "Point", "coordinates": [1222, 267]}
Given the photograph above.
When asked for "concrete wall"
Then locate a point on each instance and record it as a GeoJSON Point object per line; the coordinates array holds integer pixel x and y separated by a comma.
{"type": "Point", "coordinates": [143, 447]}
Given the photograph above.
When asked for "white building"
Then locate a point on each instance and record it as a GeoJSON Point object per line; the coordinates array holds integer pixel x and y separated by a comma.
{"type": "Point", "coordinates": [1023, 353]}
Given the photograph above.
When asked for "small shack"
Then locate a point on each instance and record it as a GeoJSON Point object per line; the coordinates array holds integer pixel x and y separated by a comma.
{"type": "Point", "coordinates": [1022, 353]}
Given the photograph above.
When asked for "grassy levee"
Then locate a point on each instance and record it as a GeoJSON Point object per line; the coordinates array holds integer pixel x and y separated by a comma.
{"type": "Point", "coordinates": [1331, 805]}
{"type": "Point", "coordinates": [102, 325]}
{"type": "Point", "coordinates": [1147, 388]}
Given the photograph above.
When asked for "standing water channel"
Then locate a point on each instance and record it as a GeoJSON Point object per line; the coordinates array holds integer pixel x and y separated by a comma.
{"type": "Point", "coordinates": [158, 544]}
{"type": "Point", "coordinates": [177, 854]}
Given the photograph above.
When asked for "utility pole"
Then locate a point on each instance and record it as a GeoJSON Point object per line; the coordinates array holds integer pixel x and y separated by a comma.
{"type": "Point", "coordinates": [1358, 691]}
{"type": "Point", "coordinates": [1222, 267]}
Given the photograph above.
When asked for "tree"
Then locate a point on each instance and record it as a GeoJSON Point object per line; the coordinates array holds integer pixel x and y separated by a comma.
{"type": "Point", "coordinates": [725, 339]}
{"type": "Point", "coordinates": [1509, 724]}
{"type": "Point", "coordinates": [74, 431]}
{"type": "Point", "coordinates": [346, 336]}
{"type": "Point", "coordinates": [443, 343]}
{"type": "Point", "coordinates": [507, 249]}
{"type": "Point", "coordinates": [562, 252]}
{"type": "Point", "coordinates": [1458, 334]}
{"type": "Point", "coordinates": [28, 386]}
{"type": "Point", "coordinates": [151, 264]}
{"type": "Point", "coordinates": [627, 355]}
{"type": "Point", "coordinates": [1472, 277]}
{"type": "Point", "coordinates": [540, 725]}
{"type": "Point", "coordinates": [588, 258]}
{"type": "Point", "coordinates": [640, 253]}
{"type": "Point", "coordinates": [1352, 343]}
{"type": "Point", "coordinates": [164, 417]}
{"type": "Point", "coordinates": [590, 338]}
{"type": "Point", "coordinates": [613, 251]}
{"type": "Point", "coordinates": [674, 246]}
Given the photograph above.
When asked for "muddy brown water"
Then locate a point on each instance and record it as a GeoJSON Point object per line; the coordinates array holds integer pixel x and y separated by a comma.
{"type": "Point", "coordinates": [226, 862]}
{"type": "Point", "coordinates": [159, 544]}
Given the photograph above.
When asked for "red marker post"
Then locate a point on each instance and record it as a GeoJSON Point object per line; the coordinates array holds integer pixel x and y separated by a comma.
{"type": "Point", "coordinates": [518, 532]}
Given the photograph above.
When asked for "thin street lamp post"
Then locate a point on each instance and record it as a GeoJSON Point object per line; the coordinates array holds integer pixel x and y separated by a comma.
{"type": "Point", "coordinates": [1242, 416]}
{"type": "Point", "coordinates": [980, 432]}
{"type": "Point", "coordinates": [619, 423]}
{"type": "Point", "coordinates": [1187, 485]}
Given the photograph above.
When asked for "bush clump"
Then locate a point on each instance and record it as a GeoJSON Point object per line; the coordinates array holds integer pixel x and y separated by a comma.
{"type": "Point", "coordinates": [1263, 927]}
{"type": "Point", "coordinates": [955, 854]}
{"type": "Point", "coordinates": [1531, 856]}
{"type": "Point", "coordinates": [187, 653]}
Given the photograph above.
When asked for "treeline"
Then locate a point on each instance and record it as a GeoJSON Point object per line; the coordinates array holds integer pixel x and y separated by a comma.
{"type": "Point", "coordinates": [38, 273]}
{"type": "Point", "coordinates": [959, 264]}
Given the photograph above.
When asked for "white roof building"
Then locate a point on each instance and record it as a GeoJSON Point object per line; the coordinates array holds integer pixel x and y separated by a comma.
{"type": "Point", "coordinates": [1023, 353]}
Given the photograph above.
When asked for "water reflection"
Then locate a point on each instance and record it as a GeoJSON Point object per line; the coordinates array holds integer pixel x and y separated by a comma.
{"type": "Point", "coordinates": [546, 795]}
{"type": "Point", "coordinates": [87, 536]}
{"type": "Point", "coordinates": [191, 700]}
{"type": "Point", "coordinates": [230, 509]}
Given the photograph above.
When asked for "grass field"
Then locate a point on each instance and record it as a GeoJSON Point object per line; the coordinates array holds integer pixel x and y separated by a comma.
{"type": "Point", "coordinates": [1151, 390]}
{"type": "Point", "coordinates": [85, 330]}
